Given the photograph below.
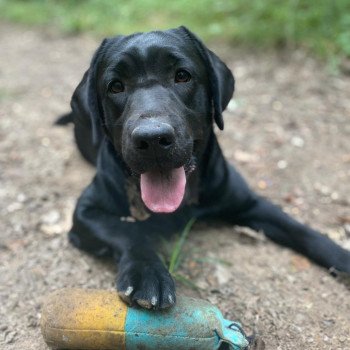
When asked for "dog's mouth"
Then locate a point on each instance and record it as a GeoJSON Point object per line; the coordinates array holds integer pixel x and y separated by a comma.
{"type": "Point", "coordinates": [162, 191]}
{"type": "Point", "coordinates": [163, 180]}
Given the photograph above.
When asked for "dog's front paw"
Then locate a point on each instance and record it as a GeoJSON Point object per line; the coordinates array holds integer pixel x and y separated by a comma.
{"type": "Point", "coordinates": [146, 283]}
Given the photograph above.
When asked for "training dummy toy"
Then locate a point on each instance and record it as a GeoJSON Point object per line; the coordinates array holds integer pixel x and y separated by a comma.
{"type": "Point", "coordinates": [99, 319]}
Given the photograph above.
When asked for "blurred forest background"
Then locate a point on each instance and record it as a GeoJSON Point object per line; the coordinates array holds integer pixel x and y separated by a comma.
{"type": "Point", "coordinates": [322, 26]}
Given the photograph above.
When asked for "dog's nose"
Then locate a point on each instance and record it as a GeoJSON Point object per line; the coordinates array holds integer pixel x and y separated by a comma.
{"type": "Point", "coordinates": [153, 136]}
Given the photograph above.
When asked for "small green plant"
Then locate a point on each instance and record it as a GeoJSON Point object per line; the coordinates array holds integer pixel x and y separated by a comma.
{"type": "Point", "coordinates": [175, 257]}
{"type": "Point", "coordinates": [214, 261]}
{"type": "Point", "coordinates": [177, 254]}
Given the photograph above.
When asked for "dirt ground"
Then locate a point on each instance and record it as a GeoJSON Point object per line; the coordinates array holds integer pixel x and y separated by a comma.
{"type": "Point", "coordinates": [287, 130]}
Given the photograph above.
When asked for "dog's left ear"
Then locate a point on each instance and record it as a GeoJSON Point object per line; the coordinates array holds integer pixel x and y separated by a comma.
{"type": "Point", "coordinates": [222, 82]}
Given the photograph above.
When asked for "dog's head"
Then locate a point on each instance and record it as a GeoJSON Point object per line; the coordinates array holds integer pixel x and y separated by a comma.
{"type": "Point", "coordinates": [155, 95]}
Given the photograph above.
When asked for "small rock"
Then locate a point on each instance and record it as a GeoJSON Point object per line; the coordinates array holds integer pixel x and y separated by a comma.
{"type": "Point", "coordinates": [250, 234]}
{"type": "Point", "coordinates": [262, 185]}
{"type": "Point", "coordinates": [222, 274]}
{"type": "Point", "coordinates": [282, 164]}
{"type": "Point", "coordinates": [245, 157]}
{"type": "Point", "coordinates": [14, 207]}
{"type": "Point", "coordinates": [335, 196]}
{"type": "Point", "coordinates": [322, 189]}
{"type": "Point", "coordinates": [310, 340]}
{"type": "Point", "coordinates": [232, 106]}
{"type": "Point", "coordinates": [10, 337]}
{"type": "Point", "coordinates": [21, 197]}
{"type": "Point", "coordinates": [51, 229]}
{"type": "Point", "coordinates": [51, 217]}
{"type": "Point", "coordinates": [297, 141]}
{"type": "Point", "coordinates": [328, 322]}
{"type": "Point", "coordinates": [291, 279]}
{"type": "Point", "coordinates": [337, 233]}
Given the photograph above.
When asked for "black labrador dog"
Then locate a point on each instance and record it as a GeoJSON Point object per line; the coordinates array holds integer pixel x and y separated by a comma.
{"type": "Point", "coordinates": [144, 114]}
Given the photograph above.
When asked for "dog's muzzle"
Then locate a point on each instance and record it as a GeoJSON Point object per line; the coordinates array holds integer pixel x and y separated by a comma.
{"type": "Point", "coordinates": [156, 153]}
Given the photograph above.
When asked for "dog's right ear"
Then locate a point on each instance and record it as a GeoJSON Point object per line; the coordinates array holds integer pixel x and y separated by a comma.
{"type": "Point", "coordinates": [85, 101]}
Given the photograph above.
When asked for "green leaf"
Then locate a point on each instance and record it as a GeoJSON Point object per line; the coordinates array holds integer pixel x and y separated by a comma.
{"type": "Point", "coordinates": [175, 256]}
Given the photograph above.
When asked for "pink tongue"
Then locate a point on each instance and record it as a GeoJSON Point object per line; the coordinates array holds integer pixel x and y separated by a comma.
{"type": "Point", "coordinates": [163, 192]}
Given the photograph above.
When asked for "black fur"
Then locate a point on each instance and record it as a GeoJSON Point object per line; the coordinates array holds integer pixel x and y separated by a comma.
{"type": "Point", "coordinates": [104, 124]}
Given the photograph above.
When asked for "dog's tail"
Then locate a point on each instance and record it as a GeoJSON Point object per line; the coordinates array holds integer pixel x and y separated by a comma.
{"type": "Point", "coordinates": [83, 137]}
{"type": "Point", "coordinates": [64, 119]}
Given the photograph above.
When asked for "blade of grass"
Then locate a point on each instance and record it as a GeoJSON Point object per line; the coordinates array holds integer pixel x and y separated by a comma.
{"type": "Point", "coordinates": [175, 255]}
{"type": "Point", "coordinates": [214, 261]}
{"type": "Point", "coordinates": [162, 258]}
{"type": "Point", "coordinates": [182, 279]}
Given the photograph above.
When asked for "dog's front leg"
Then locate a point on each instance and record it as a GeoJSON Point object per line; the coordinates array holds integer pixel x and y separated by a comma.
{"type": "Point", "coordinates": [142, 278]}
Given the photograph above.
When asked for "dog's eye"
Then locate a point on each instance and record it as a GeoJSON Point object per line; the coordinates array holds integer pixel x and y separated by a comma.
{"type": "Point", "coordinates": [115, 87]}
{"type": "Point", "coordinates": [182, 76]}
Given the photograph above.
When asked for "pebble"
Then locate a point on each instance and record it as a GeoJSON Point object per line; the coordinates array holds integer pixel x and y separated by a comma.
{"type": "Point", "coordinates": [282, 164]}
{"type": "Point", "coordinates": [14, 207]}
{"type": "Point", "coordinates": [51, 230]}
{"type": "Point", "coordinates": [51, 217]}
{"type": "Point", "coordinates": [297, 141]}
{"type": "Point", "coordinates": [232, 106]}
{"type": "Point", "coordinates": [245, 157]}
{"type": "Point", "coordinates": [222, 274]}
{"type": "Point", "coordinates": [10, 337]}
{"type": "Point", "coordinates": [262, 184]}
{"type": "Point", "coordinates": [322, 189]}
{"type": "Point", "coordinates": [335, 196]}
{"type": "Point", "coordinates": [21, 197]}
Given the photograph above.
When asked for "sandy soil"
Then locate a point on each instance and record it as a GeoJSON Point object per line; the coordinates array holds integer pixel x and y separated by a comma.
{"type": "Point", "coordinates": [288, 130]}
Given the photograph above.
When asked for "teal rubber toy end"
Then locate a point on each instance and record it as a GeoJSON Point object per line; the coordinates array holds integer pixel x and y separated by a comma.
{"type": "Point", "coordinates": [231, 335]}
